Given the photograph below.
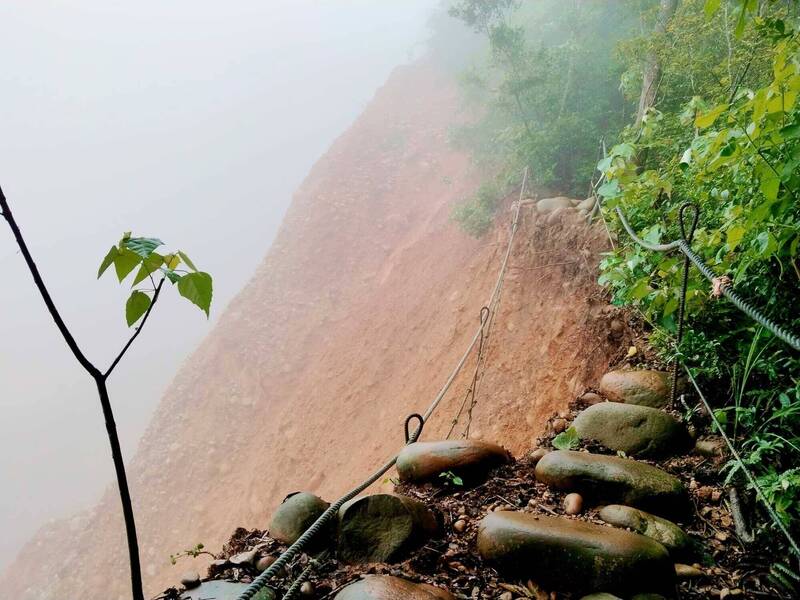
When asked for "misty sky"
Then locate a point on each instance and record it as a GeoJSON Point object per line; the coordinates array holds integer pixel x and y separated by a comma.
{"type": "Point", "coordinates": [189, 120]}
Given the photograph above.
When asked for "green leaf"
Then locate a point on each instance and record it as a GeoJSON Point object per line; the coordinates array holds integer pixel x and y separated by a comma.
{"type": "Point", "coordinates": [112, 254]}
{"type": "Point", "coordinates": [149, 265]}
{"type": "Point", "coordinates": [735, 235]}
{"type": "Point", "coordinates": [610, 189]}
{"type": "Point", "coordinates": [790, 131]}
{"type": "Point", "coordinates": [198, 289]}
{"type": "Point", "coordinates": [769, 185]}
{"type": "Point", "coordinates": [124, 262]}
{"type": "Point", "coordinates": [142, 246]}
{"type": "Point", "coordinates": [707, 118]}
{"type": "Point", "coordinates": [187, 260]}
{"type": "Point", "coordinates": [567, 440]}
{"type": "Point", "coordinates": [711, 7]}
{"type": "Point", "coordinates": [136, 306]}
{"type": "Point", "coordinates": [171, 275]}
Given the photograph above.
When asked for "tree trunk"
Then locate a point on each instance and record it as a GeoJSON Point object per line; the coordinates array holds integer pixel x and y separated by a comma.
{"type": "Point", "coordinates": [124, 493]}
{"type": "Point", "coordinates": [652, 68]}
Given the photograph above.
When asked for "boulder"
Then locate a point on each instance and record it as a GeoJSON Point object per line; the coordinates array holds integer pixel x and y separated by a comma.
{"type": "Point", "coordinates": [571, 555]}
{"type": "Point", "coordinates": [587, 204]}
{"type": "Point", "coordinates": [672, 537]}
{"type": "Point", "coordinates": [224, 590]}
{"type": "Point", "coordinates": [469, 459]}
{"type": "Point", "coordinates": [382, 528]}
{"type": "Point", "coordinates": [386, 587]}
{"type": "Point", "coordinates": [645, 388]}
{"type": "Point", "coordinates": [548, 205]}
{"type": "Point", "coordinates": [636, 430]}
{"type": "Point", "coordinates": [296, 514]}
{"type": "Point", "coordinates": [611, 479]}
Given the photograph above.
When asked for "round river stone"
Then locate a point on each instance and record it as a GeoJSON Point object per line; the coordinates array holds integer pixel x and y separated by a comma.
{"type": "Point", "coordinates": [295, 515]}
{"type": "Point", "coordinates": [611, 479]}
{"type": "Point", "coordinates": [571, 555]}
{"type": "Point", "coordinates": [469, 459]}
{"type": "Point", "coordinates": [661, 530]}
{"type": "Point", "coordinates": [382, 527]}
{"type": "Point", "coordinates": [645, 388]}
{"type": "Point", "coordinates": [386, 587]}
{"type": "Point", "coordinates": [636, 430]}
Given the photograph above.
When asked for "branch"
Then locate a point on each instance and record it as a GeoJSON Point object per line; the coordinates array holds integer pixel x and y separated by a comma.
{"type": "Point", "coordinates": [137, 332]}
{"type": "Point", "coordinates": [48, 300]}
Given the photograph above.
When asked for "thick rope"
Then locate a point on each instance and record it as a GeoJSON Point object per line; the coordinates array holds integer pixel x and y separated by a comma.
{"type": "Point", "coordinates": [727, 290]}
{"type": "Point", "coordinates": [317, 526]}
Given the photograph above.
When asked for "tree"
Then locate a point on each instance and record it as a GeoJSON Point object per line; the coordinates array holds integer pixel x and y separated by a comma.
{"type": "Point", "coordinates": [651, 74]}
{"type": "Point", "coordinates": [126, 256]}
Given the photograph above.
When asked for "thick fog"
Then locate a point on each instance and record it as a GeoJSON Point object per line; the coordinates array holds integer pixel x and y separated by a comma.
{"type": "Point", "coordinates": [190, 120]}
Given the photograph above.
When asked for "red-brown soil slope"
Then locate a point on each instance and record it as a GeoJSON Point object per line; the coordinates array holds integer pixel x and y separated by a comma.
{"type": "Point", "coordinates": [362, 306]}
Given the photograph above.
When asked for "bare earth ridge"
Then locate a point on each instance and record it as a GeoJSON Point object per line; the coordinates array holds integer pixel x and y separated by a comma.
{"type": "Point", "coordinates": [363, 304]}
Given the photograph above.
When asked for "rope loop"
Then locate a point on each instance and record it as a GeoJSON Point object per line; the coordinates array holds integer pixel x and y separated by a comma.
{"type": "Point", "coordinates": [484, 315]}
{"type": "Point", "coordinates": [418, 432]}
{"type": "Point", "coordinates": [682, 220]}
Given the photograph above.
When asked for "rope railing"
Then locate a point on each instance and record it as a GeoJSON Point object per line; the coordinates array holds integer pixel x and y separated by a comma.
{"type": "Point", "coordinates": [726, 289]}
{"type": "Point", "coordinates": [297, 547]}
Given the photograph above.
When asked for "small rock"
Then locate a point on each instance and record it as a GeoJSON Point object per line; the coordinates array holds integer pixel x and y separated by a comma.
{"type": "Point", "coordinates": [459, 526]}
{"type": "Point", "coordinates": [587, 204]}
{"type": "Point", "coordinates": [573, 504]}
{"type": "Point", "coordinates": [645, 388]}
{"type": "Point", "coordinates": [590, 399]}
{"type": "Point", "coordinates": [190, 579]}
{"type": "Point", "coordinates": [687, 571]}
{"type": "Point", "coordinates": [307, 589]}
{"type": "Point", "coordinates": [711, 447]}
{"type": "Point", "coordinates": [548, 205]}
{"type": "Point", "coordinates": [616, 327]}
{"type": "Point", "coordinates": [538, 454]}
{"type": "Point", "coordinates": [387, 587]}
{"type": "Point", "coordinates": [559, 425]}
{"type": "Point", "coordinates": [506, 596]}
{"type": "Point", "coordinates": [244, 558]}
{"type": "Point", "coordinates": [666, 532]}
{"type": "Point", "coordinates": [264, 563]}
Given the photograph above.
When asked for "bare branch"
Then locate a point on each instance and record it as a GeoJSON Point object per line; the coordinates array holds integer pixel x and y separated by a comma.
{"type": "Point", "coordinates": [137, 332]}
{"type": "Point", "coordinates": [48, 300]}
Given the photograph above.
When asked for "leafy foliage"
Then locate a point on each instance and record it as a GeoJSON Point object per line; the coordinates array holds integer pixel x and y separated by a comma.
{"type": "Point", "coordinates": [725, 135]}
{"type": "Point", "coordinates": [451, 478]}
{"type": "Point", "coordinates": [567, 440]}
{"type": "Point", "coordinates": [546, 90]}
{"type": "Point", "coordinates": [132, 252]}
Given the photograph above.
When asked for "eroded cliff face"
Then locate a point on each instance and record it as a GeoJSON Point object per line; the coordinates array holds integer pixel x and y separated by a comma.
{"type": "Point", "coordinates": [362, 306]}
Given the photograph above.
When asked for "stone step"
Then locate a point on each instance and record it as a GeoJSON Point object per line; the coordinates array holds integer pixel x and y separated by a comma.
{"type": "Point", "coordinates": [645, 388]}
{"type": "Point", "coordinates": [565, 554]}
{"type": "Point", "coordinates": [224, 590]}
{"type": "Point", "coordinates": [663, 531]}
{"type": "Point", "coordinates": [386, 587]}
{"type": "Point", "coordinates": [469, 459]}
{"type": "Point", "coordinates": [296, 514]}
{"type": "Point", "coordinates": [382, 528]}
{"type": "Point", "coordinates": [611, 479]}
{"type": "Point", "coordinates": [635, 430]}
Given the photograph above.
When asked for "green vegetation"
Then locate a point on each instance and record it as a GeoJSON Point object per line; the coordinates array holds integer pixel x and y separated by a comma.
{"type": "Point", "coordinates": [126, 256]}
{"type": "Point", "coordinates": [697, 101]}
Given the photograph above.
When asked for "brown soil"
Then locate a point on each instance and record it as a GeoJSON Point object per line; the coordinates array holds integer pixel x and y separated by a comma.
{"type": "Point", "coordinates": [363, 304]}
